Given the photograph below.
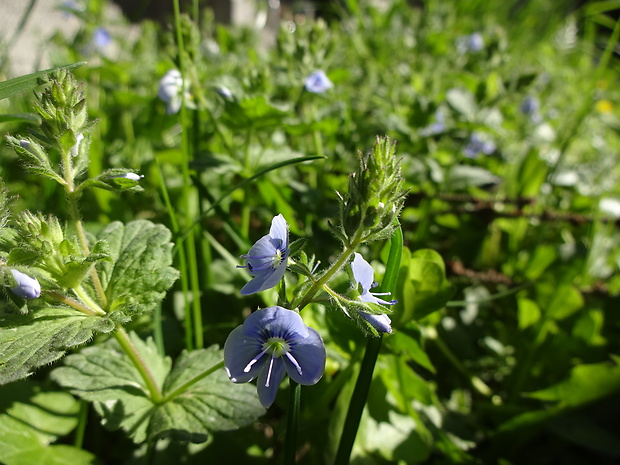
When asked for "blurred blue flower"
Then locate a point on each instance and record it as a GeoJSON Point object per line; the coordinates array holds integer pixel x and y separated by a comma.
{"type": "Point", "coordinates": [530, 107]}
{"type": "Point", "coordinates": [478, 144]}
{"type": "Point", "coordinates": [101, 39]}
{"type": "Point", "coordinates": [170, 90]}
{"type": "Point", "coordinates": [363, 276]}
{"type": "Point", "coordinates": [318, 82]}
{"type": "Point", "coordinates": [267, 258]}
{"type": "Point", "coordinates": [271, 342]}
{"type": "Point", "coordinates": [472, 43]}
{"type": "Point", "coordinates": [437, 127]}
{"type": "Point", "coordinates": [27, 287]}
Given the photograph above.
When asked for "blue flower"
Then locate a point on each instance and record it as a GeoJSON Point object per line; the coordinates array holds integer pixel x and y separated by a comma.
{"type": "Point", "coordinates": [530, 107]}
{"type": "Point", "coordinates": [478, 144]}
{"type": "Point", "coordinates": [271, 342]}
{"type": "Point", "coordinates": [363, 276]}
{"type": "Point", "coordinates": [27, 287]}
{"type": "Point", "coordinates": [101, 39]}
{"type": "Point", "coordinates": [318, 82]}
{"type": "Point", "coordinates": [267, 258]}
{"type": "Point", "coordinates": [472, 43]}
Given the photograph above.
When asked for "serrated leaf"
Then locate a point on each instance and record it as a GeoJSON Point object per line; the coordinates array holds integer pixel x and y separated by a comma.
{"type": "Point", "coordinates": [42, 337]}
{"type": "Point", "coordinates": [139, 273]}
{"type": "Point", "coordinates": [106, 377]}
{"type": "Point", "coordinates": [31, 420]}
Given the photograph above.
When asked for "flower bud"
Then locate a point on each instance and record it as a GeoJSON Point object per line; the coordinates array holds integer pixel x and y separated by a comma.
{"type": "Point", "coordinates": [27, 287]}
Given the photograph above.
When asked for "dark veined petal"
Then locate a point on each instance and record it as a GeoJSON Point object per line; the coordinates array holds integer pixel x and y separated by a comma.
{"type": "Point", "coordinates": [362, 272]}
{"type": "Point", "coordinates": [308, 354]}
{"type": "Point", "coordinates": [266, 280]}
{"type": "Point", "coordinates": [239, 350]}
{"type": "Point", "coordinates": [260, 257]}
{"type": "Point", "coordinates": [381, 323]}
{"type": "Point", "coordinates": [275, 322]}
{"type": "Point", "coordinates": [269, 381]}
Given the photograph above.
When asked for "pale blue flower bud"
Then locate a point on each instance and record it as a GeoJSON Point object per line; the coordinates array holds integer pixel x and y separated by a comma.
{"type": "Point", "coordinates": [27, 287]}
{"type": "Point", "coordinates": [318, 82]}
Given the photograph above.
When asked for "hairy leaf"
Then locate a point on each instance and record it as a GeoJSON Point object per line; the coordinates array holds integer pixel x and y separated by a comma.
{"type": "Point", "coordinates": [108, 378]}
{"type": "Point", "coordinates": [42, 337]}
{"type": "Point", "coordinates": [139, 273]}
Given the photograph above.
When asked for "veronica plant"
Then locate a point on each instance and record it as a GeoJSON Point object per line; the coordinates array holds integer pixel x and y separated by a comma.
{"type": "Point", "coordinates": [318, 82]}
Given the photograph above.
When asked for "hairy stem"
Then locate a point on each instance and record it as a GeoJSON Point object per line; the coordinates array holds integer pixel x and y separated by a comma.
{"type": "Point", "coordinates": [123, 339]}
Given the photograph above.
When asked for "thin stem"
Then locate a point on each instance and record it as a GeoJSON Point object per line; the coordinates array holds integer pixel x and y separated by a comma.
{"type": "Point", "coordinates": [292, 424]}
{"type": "Point", "coordinates": [180, 390]}
{"type": "Point", "coordinates": [80, 430]}
{"type": "Point", "coordinates": [332, 270]}
{"type": "Point", "coordinates": [83, 295]}
{"type": "Point", "coordinates": [73, 303]}
{"type": "Point", "coordinates": [358, 401]}
{"type": "Point", "coordinates": [189, 344]}
{"type": "Point", "coordinates": [123, 339]}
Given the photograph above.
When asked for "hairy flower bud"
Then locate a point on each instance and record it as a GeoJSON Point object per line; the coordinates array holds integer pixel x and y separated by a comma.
{"type": "Point", "coordinates": [376, 194]}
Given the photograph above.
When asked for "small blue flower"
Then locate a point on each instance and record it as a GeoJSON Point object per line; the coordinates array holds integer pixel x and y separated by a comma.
{"type": "Point", "coordinates": [267, 258]}
{"type": "Point", "coordinates": [530, 107]}
{"type": "Point", "coordinates": [478, 144]}
{"type": "Point", "coordinates": [472, 43]}
{"type": "Point", "coordinates": [271, 342]}
{"type": "Point", "coordinates": [170, 90]}
{"type": "Point", "coordinates": [27, 287]}
{"type": "Point", "coordinates": [363, 276]}
{"type": "Point", "coordinates": [101, 39]}
{"type": "Point", "coordinates": [318, 82]}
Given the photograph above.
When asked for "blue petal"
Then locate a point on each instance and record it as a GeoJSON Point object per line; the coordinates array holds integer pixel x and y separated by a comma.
{"type": "Point", "coordinates": [27, 287]}
{"type": "Point", "coordinates": [239, 350]}
{"type": "Point", "coordinates": [267, 394]}
{"type": "Point", "coordinates": [266, 280]}
{"type": "Point", "coordinates": [362, 272]}
{"type": "Point", "coordinates": [279, 229]}
{"type": "Point", "coordinates": [275, 322]}
{"type": "Point", "coordinates": [310, 355]}
{"type": "Point", "coordinates": [381, 323]}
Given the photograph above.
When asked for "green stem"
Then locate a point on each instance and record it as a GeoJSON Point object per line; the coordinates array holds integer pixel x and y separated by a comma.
{"type": "Point", "coordinates": [189, 344]}
{"type": "Point", "coordinates": [292, 424]}
{"type": "Point", "coordinates": [180, 390]}
{"type": "Point", "coordinates": [124, 341]}
{"type": "Point", "coordinates": [373, 346]}
{"type": "Point", "coordinates": [73, 303]}
{"type": "Point", "coordinates": [192, 268]}
{"type": "Point", "coordinates": [87, 299]}
{"type": "Point", "coordinates": [358, 401]}
{"type": "Point", "coordinates": [331, 271]}
{"type": "Point", "coordinates": [78, 440]}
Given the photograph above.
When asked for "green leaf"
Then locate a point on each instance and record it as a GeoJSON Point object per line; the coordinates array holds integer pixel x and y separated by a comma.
{"type": "Point", "coordinates": [31, 118]}
{"type": "Point", "coordinates": [42, 337]}
{"type": "Point", "coordinates": [461, 177]}
{"type": "Point", "coordinates": [31, 420]}
{"type": "Point", "coordinates": [189, 412]}
{"type": "Point", "coordinates": [462, 101]}
{"type": "Point", "coordinates": [586, 383]}
{"type": "Point", "coordinates": [423, 285]}
{"type": "Point", "coordinates": [254, 112]}
{"type": "Point", "coordinates": [139, 273]}
{"type": "Point", "coordinates": [29, 81]}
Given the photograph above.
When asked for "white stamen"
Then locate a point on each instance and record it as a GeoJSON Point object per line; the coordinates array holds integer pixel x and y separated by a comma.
{"type": "Point", "coordinates": [269, 372]}
{"type": "Point", "coordinates": [248, 367]}
{"type": "Point", "coordinates": [294, 362]}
